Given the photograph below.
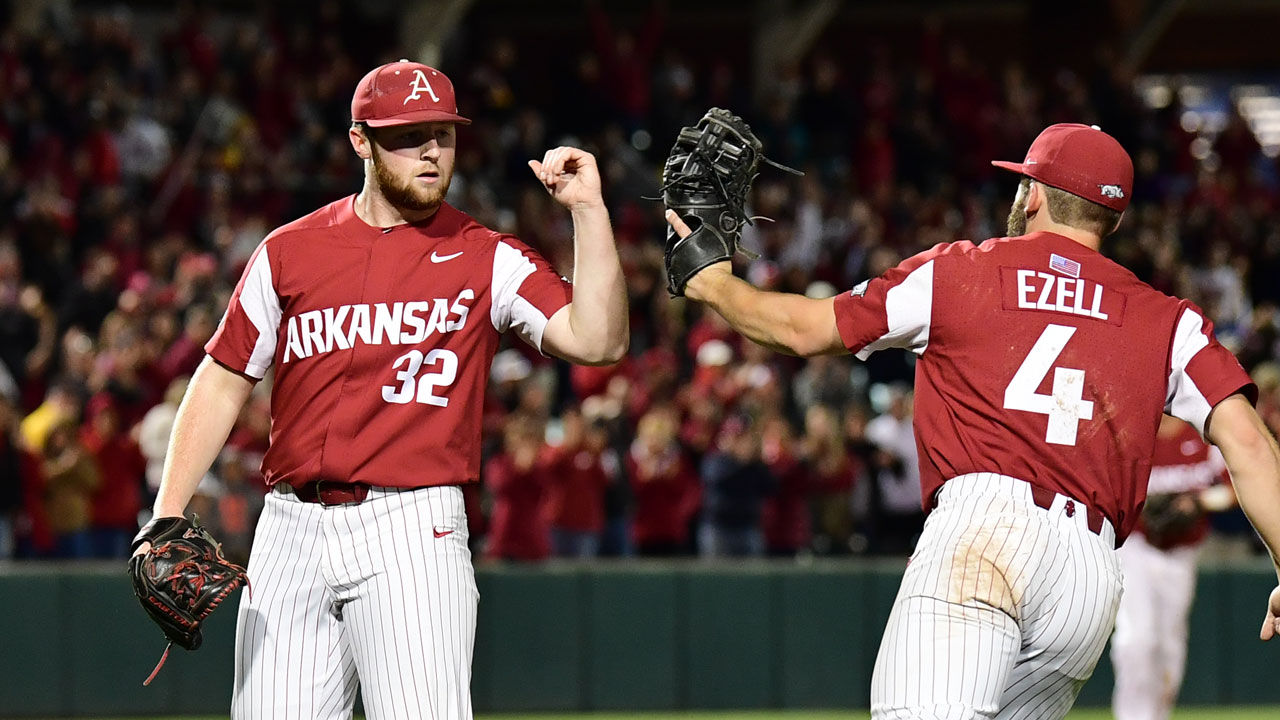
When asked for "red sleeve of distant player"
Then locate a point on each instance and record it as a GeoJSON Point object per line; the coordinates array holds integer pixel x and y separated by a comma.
{"type": "Point", "coordinates": [891, 310]}
{"type": "Point", "coordinates": [245, 340]}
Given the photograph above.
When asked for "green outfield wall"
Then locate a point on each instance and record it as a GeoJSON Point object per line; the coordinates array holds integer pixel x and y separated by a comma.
{"type": "Point", "coordinates": [608, 636]}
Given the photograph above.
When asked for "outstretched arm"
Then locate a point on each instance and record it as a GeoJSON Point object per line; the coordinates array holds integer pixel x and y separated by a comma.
{"type": "Point", "coordinates": [785, 322]}
{"type": "Point", "coordinates": [593, 328]}
{"type": "Point", "coordinates": [1253, 460]}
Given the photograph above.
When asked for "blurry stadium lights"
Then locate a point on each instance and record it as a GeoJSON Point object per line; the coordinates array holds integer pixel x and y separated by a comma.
{"type": "Point", "coordinates": [1259, 105]}
{"type": "Point", "coordinates": [1193, 95]}
{"type": "Point", "coordinates": [1157, 96]}
{"type": "Point", "coordinates": [1204, 104]}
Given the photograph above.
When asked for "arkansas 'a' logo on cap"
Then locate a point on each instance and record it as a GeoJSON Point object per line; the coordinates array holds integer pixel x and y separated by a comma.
{"type": "Point", "coordinates": [1111, 191]}
{"type": "Point", "coordinates": [419, 85]}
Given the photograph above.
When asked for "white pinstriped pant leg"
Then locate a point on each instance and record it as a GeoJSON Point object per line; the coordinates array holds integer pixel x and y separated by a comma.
{"type": "Point", "coordinates": [292, 657]}
{"type": "Point", "coordinates": [1003, 610]}
{"type": "Point", "coordinates": [1066, 627]}
{"type": "Point", "coordinates": [410, 602]}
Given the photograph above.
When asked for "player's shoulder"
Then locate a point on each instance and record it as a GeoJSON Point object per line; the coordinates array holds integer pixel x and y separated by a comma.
{"type": "Point", "coordinates": [1058, 253]}
{"type": "Point", "coordinates": [960, 250]}
{"type": "Point", "coordinates": [321, 220]}
{"type": "Point", "coordinates": [475, 232]}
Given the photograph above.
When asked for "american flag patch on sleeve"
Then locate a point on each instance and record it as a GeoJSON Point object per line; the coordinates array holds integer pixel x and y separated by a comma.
{"type": "Point", "coordinates": [1066, 266]}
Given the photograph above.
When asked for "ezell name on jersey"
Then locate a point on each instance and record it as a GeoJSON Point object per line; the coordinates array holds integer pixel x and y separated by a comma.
{"type": "Point", "coordinates": [1038, 290]}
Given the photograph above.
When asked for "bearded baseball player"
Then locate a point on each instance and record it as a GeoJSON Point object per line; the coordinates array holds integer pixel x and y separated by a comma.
{"type": "Point", "coordinates": [1149, 647]}
{"type": "Point", "coordinates": [1044, 369]}
{"type": "Point", "coordinates": [380, 314]}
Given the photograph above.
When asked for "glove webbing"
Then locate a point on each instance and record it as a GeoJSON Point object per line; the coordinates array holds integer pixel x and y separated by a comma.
{"type": "Point", "coordinates": [698, 182]}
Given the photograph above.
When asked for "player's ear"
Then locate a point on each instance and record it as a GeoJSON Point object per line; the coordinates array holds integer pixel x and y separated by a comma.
{"type": "Point", "coordinates": [1117, 225]}
{"type": "Point", "coordinates": [1035, 198]}
{"type": "Point", "coordinates": [358, 134]}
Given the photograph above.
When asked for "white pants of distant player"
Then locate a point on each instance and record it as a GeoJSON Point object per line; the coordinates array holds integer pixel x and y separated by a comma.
{"type": "Point", "coordinates": [1003, 611]}
{"type": "Point", "coordinates": [382, 594]}
{"type": "Point", "coordinates": [1149, 649]}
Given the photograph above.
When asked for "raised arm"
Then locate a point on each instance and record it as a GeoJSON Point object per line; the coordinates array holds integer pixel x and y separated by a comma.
{"type": "Point", "coordinates": [785, 322]}
{"type": "Point", "coordinates": [593, 328]}
{"type": "Point", "coordinates": [1253, 459]}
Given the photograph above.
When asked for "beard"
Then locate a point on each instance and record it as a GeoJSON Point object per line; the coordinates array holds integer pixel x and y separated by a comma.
{"type": "Point", "coordinates": [1016, 224]}
{"type": "Point", "coordinates": [406, 194]}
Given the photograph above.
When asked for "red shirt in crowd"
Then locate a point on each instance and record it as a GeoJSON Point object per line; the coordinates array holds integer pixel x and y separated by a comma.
{"type": "Point", "coordinates": [575, 492]}
{"type": "Point", "coordinates": [785, 516]}
{"type": "Point", "coordinates": [121, 466]}
{"type": "Point", "coordinates": [518, 527]}
{"type": "Point", "coordinates": [665, 494]}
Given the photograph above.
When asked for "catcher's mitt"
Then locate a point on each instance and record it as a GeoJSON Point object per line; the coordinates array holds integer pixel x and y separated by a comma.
{"type": "Point", "coordinates": [181, 579]}
{"type": "Point", "coordinates": [1168, 517]}
{"type": "Point", "coordinates": [705, 181]}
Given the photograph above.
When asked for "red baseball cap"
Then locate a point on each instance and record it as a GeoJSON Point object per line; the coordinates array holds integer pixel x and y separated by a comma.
{"type": "Point", "coordinates": [403, 93]}
{"type": "Point", "coordinates": [1082, 160]}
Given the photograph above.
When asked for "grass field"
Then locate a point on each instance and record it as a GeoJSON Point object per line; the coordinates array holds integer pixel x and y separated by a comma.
{"type": "Point", "coordinates": [1085, 714]}
{"type": "Point", "coordinates": [1193, 713]}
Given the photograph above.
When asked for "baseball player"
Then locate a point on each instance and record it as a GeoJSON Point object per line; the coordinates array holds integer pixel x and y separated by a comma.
{"type": "Point", "coordinates": [1149, 647]}
{"type": "Point", "coordinates": [379, 315]}
{"type": "Point", "coordinates": [1043, 372]}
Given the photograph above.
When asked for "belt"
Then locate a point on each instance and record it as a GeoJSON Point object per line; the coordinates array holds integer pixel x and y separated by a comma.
{"type": "Point", "coordinates": [330, 492]}
{"type": "Point", "coordinates": [1044, 500]}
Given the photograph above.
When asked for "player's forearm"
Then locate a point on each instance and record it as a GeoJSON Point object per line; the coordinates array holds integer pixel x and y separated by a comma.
{"type": "Point", "coordinates": [780, 321]}
{"type": "Point", "coordinates": [205, 418]}
{"type": "Point", "coordinates": [1258, 490]}
{"type": "Point", "coordinates": [1253, 460]}
{"type": "Point", "coordinates": [598, 315]}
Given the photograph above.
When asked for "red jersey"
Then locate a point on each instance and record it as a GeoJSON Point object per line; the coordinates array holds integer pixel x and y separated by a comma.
{"type": "Point", "coordinates": [665, 501]}
{"type": "Point", "coordinates": [1042, 360]}
{"type": "Point", "coordinates": [381, 341]}
{"type": "Point", "coordinates": [118, 498]}
{"type": "Point", "coordinates": [1185, 463]}
{"type": "Point", "coordinates": [518, 527]}
{"type": "Point", "coordinates": [575, 490]}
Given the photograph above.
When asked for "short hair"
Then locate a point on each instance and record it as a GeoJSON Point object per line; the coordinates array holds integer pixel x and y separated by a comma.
{"type": "Point", "coordinates": [1078, 212]}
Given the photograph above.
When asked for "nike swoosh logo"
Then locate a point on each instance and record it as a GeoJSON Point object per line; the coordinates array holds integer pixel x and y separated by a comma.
{"type": "Point", "coordinates": [443, 258]}
{"type": "Point", "coordinates": [440, 534]}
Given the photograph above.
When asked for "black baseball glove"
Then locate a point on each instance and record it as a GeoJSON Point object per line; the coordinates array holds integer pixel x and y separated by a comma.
{"type": "Point", "coordinates": [1168, 517]}
{"type": "Point", "coordinates": [181, 579]}
{"type": "Point", "coordinates": [705, 181]}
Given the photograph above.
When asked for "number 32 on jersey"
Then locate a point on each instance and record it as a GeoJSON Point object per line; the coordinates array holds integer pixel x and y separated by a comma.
{"type": "Point", "coordinates": [422, 389]}
{"type": "Point", "coordinates": [1066, 405]}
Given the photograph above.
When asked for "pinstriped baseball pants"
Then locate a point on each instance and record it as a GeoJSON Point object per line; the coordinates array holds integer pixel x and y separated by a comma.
{"type": "Point", "coordinates": [1004, 609]}
{"type": "Point", "coordinates": [361, 594]}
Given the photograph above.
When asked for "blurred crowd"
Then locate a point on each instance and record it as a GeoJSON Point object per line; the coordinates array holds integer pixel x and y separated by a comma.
{"type": "Point", "coordinates": [143, 158]}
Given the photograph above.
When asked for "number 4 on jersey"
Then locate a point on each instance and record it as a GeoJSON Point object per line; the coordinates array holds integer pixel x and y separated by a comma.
{"type": "Point", "coordinates": [1066, 407]}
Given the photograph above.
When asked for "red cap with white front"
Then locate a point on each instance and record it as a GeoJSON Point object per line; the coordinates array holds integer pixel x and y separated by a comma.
{"type": "Point", "coordinates": [1082, 160]}
{"type": "Point", "coordinates": [403, 93]}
